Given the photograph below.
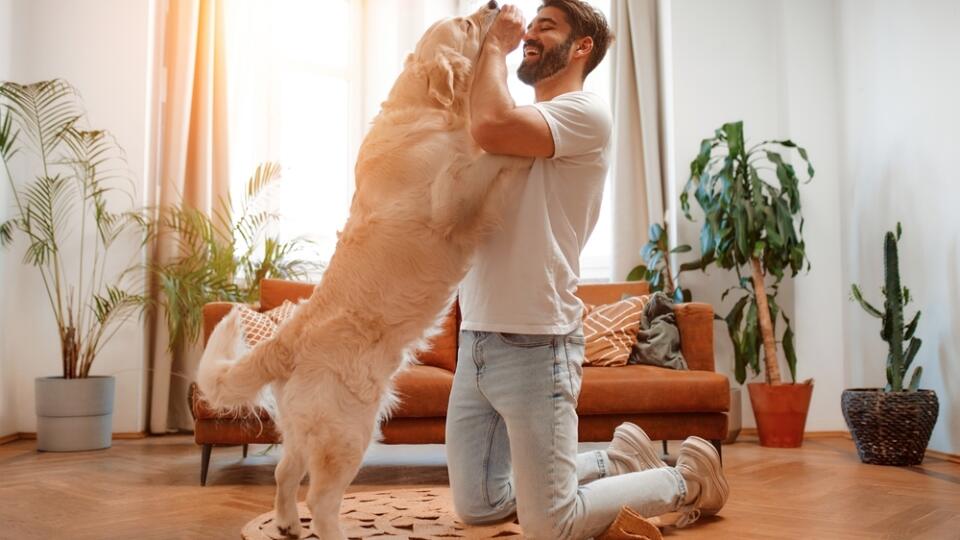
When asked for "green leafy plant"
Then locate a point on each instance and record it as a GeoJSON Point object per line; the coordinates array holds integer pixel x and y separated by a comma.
{"type": "Point", "coordinates": [74, 182]}
{"type": "Point", "coordinates": [751, 202]}
{"type": "Point", "coordinates": [657, 268]}
{"type": "Point", "coordinates": [893, 330]}
{"type": "Point", "coordinates": [223, 257]}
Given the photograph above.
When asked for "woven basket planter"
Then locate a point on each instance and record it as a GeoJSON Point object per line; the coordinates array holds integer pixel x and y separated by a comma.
{"type": "Point", "coordinates": [890, 428]}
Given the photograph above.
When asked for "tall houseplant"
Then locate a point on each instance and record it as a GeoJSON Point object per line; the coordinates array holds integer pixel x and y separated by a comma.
{"type": "Point", "coordinates": [751, 204]}
{"type": "Point", "coordinates": [68, 196]}
{"type": "Point", "coordinates": [892, 425]}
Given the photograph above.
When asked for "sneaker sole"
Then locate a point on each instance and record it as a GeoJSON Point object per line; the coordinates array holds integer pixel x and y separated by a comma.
{"type": "Point", "coordinates": [701, 450]}
{"type": "Point", "coordinates": [639, 441]}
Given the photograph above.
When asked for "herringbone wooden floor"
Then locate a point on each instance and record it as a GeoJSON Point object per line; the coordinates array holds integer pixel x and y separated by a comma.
{"type": "Point", "coordinates": [148, 489]}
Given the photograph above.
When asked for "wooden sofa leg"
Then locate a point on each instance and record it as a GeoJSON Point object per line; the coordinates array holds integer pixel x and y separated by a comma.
{"type": "Point", "coordinates": [205, 463]}
{"type": "Point", "coordinates": [245, 451]}
{"type": "Point", "coordinates": [717, 444]}
{"type": "Point", "coordinates": [666, 451]}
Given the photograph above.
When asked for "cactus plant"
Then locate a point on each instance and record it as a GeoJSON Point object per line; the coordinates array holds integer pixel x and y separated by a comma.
{"type": "Point", "coordinates": [892, 329]}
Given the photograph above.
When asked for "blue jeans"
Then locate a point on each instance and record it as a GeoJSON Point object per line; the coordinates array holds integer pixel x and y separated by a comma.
{"type": "Point", "coordinates": [511, 444]}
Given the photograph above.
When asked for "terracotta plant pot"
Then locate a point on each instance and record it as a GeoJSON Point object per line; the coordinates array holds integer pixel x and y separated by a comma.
{"type": "Point", "coordinates": [781, 412]}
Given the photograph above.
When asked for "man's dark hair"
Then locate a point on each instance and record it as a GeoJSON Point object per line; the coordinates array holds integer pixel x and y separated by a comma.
{"type": "Point", "coordinates": [585, 20]}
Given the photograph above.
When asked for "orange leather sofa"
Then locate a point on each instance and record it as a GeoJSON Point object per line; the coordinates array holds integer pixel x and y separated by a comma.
{"type": "Point", "coordinates": [667, 404]}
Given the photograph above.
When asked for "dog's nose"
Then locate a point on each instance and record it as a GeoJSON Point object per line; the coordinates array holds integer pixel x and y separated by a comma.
{"type": "Point", "coordinates": [492, 4]}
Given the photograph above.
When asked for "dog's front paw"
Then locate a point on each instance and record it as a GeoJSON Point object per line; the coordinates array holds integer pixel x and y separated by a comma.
{"type": "Point", "coordinates": [289, 530]}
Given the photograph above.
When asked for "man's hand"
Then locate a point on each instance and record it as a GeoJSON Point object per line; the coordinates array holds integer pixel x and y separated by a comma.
{"type": "Point", "coordinates": [507, 30]}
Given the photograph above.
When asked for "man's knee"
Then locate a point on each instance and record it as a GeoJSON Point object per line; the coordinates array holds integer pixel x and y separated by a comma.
{"type": "Point", "coordinates": [477, 512]}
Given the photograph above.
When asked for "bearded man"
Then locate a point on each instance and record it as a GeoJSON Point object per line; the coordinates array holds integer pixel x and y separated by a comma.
{"type": "Point", "coordinates": [511, 426]}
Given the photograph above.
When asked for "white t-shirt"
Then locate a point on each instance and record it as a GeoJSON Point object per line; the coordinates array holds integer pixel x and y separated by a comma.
{"type": "Point", "coordinates": [525, 274]}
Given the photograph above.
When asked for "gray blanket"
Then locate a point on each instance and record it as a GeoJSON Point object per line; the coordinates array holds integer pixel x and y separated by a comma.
{"type": "Point", "coordinates": [658, 343]}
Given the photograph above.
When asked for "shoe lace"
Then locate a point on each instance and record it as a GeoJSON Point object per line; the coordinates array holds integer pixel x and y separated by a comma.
{"type": "Point", "coordinates": [680, 518]}
{"type": "Point", "coordinates": [687, 518]}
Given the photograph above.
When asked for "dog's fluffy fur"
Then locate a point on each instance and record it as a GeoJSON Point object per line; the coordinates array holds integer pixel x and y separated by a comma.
{"type": "Point", "coordinates": [425, 196]}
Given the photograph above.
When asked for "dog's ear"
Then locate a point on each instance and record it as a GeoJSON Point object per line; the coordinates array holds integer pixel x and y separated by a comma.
{"type": "Point", "coordinates": [446, 75]}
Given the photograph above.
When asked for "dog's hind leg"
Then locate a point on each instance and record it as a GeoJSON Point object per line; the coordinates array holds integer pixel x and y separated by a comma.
{"type": "Point", "coordinates": [289, 473]}
{"type": "Point", "coordinates": [334, 463]}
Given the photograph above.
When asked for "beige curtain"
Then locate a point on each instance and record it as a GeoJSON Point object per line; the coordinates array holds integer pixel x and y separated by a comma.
{"type": "Point", "coordinates": [637, 177]}
{"type": "Point", "coordinates": [191, 168]}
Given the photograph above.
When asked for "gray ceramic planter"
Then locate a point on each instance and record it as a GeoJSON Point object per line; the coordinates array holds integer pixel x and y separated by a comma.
{"type": "Point", "coordinates": [74, 414]}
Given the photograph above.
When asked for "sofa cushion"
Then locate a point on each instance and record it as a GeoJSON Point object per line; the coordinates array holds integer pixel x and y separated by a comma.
{"type": "Point", "coordinates": [259, 326]}
{"type": "Point", "coordinates": [648, 389]}
{"type": "Point", "coordinates": [423, 391]}
{"type": "Point", "coordinates": [610, 331]}
{"type": "Point", "coordinates": [442, 349]}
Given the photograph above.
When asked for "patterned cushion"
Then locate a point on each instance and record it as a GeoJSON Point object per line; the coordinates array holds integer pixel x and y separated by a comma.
{"type": "Point", "coordinates": [282, 313]}
{"type": "Point", "coordinates": [610, 330]}
{"type": "Point", "coordinates": [260, 326]}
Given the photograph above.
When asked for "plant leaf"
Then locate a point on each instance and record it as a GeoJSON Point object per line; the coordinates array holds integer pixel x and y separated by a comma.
{"type": "Point", "coordinates": [912, 327]}
{"type": "Point", "coordinates": [915, 380]}
{"type": "Point", "coordinates": [638, 273]}
{"type": "Point", "coordinates": [789, 350]}
{"type": "Point", "coordinates": [858, 296]}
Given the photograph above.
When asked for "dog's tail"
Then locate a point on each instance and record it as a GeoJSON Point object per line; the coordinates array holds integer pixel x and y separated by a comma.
{"type": "Point", "coordinates": [231, 375]}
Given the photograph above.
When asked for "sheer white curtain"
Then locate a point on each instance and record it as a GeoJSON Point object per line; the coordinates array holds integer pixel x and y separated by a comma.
{"type": "Point", "coordinates": [636, 173]}
{"type": "Point", "coordinates": [306, 78]}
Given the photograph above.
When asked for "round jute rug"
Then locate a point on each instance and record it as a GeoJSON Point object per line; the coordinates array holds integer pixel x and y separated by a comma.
{"type": "Point", "coordinates": [424, 513]}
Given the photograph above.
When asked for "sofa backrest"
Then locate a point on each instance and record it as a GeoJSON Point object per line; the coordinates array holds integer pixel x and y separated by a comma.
{"type": "Point", "coordinates": [695, 320]}
{"type": "Point", "coordinates": [608, 293]}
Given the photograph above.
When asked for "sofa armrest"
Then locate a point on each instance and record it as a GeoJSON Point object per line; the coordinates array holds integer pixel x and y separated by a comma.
{"type": "Point", "coordinates": [213, 312]}
{"type": "Point", "coordinates": [695, 322]}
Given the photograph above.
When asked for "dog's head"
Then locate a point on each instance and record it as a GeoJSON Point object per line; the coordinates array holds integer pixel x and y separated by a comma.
{"type": "Point", "coordinates": [447, 52]}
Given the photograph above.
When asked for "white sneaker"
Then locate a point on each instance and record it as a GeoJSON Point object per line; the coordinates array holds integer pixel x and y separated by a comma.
{"type": "Point", "coordinates": [632, 450]}
{"type": "Point", "coordinates": [699, 461]}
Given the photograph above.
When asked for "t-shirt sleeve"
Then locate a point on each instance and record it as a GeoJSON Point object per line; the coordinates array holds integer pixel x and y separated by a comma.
{"type": "Point", "coordinates": [580, 123]}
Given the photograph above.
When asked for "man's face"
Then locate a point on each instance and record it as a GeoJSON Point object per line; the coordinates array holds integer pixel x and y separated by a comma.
{"type": "Point", "coordinates": [546, 46]}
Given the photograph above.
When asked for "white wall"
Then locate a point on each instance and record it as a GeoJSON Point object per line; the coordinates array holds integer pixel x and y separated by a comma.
{"type": "Point", "coordinates": [100, 46]}
{"type": "Point", "coordinates": [811, 105]}
{"type": "Point", "coordinates": [8, 422]}
{"type": "Point", "coordinates": [900, 77]}
{"type": "Point", "coordinates": [870, 89]}
{"type": "Point", "coordinates": [726, 66]}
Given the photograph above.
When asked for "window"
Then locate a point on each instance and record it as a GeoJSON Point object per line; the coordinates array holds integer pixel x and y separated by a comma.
{"type": "Point", "coordinates": [296, 95]}
{"type": "Point", "coordinates": [306, 77]}
{"type": "Point", "coordinates": [596, 259]}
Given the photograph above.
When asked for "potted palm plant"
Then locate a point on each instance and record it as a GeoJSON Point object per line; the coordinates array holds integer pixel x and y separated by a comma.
{"type": "Point", "coordinates": [224, 257]}
{"type": "Point", "coordinates": [892, 425]}
{"type": "Point", "coordinates": [751, 204]}
{"type": "Point", "coordinates": [69, 196]}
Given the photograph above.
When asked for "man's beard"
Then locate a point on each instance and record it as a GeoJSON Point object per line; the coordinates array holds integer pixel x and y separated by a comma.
{"type": "Point", "coordinates": [549, 63]}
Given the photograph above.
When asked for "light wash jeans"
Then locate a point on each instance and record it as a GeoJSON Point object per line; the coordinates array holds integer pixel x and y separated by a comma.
{"type": "Point", "coordinates": [512, 442]}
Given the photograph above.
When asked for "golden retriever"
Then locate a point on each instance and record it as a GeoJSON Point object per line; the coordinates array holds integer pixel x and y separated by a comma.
{"type": "Point", "coordinates": [425, 195]}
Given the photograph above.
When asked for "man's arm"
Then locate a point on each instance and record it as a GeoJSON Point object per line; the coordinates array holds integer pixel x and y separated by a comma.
{"type": "Point", "coordinates": [497, 124]}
